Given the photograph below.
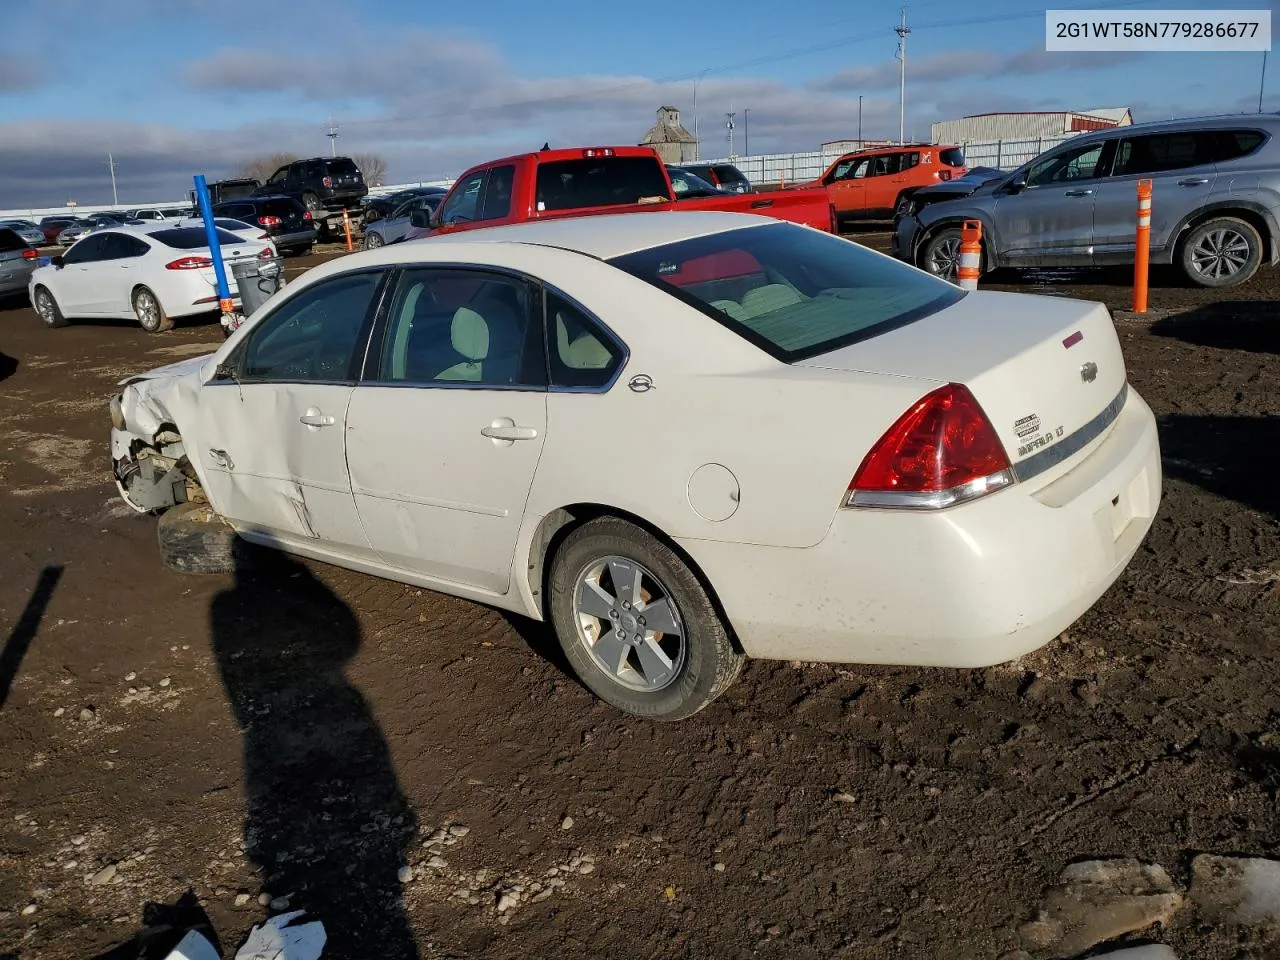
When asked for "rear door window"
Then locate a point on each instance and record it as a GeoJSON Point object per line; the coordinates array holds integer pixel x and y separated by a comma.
{"type": "Point", "coordinates": [600, 182]}
{"type": "Point", "coordinates": [1162, 152]}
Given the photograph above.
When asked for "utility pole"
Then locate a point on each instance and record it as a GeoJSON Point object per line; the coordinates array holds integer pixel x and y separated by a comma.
{"type": "Point", "coordinates": [729, 125]}
{"type": "Point", "coordinates": [859, 122]}
{"type": "Point", "coordinates": [746, 132]}
{"type": "Point", "coordinates": [697, 144]}
{"type": "Point", "coordinates": [903, 31]}
{"type": "Point", "coordinates": [1263, 81]}
{"type": "Point", "coordinates": [110, 165]}
{"type": "Point", "coordinates": [333, 138]}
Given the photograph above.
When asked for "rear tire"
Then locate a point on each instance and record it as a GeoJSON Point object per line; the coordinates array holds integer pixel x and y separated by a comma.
{"type": "Point", "coordinates": [47, 309]}
{"type": "Point", "coordinates": [1222, 252]}
{"type": "Point", "coordinates": [680, 670]}
{"type": "Point", "coordinates": [372, 241]}
{"type": "Point", "coordinates": [151, 316]}
{"type": "Point", "coordinates": [194, 539]}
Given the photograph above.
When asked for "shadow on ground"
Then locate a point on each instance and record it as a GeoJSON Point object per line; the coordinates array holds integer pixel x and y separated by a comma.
{"type": "Point", "coordinates": [1232, 457]}
{"type": "Point", "coordinates": [1252, 325]}
{"type": "Point", "coordinates": [326, 819]}
{"type": "Point", "coordinates": [24, 631]}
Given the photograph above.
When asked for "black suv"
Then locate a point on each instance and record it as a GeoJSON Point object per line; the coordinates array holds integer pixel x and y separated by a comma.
{"type": "Point", "coordinates": [321, 183]}
{"type": "Point", "coordinates": [285, 220]}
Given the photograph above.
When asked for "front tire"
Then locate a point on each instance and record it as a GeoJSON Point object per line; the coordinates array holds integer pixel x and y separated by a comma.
{"type": "Point", "coordinates": [151, 316]}
{"type": "Point", "coordinates": [636, 624]}
{"type": "Point", "coordinates": [941, 254]}
{"type": "Point", "coordinates": [372, 241]}
{"type": "Point", "coordinates": [1222, 252]}
{"type": "Point", "coordinates": [194, 539]}
{"type": "Point", "coordinates": [47, 309]}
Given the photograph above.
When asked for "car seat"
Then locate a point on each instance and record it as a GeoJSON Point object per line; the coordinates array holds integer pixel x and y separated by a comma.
{"type": "Point", "coordinates": [490, 344]}
{"type": "Point", "coordinates": [766, 299]}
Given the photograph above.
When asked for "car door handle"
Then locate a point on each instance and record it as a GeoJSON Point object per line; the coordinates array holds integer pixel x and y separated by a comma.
{"type": "Point", "coordinates": [506, 429]}
{"type": "Point", "coordinates": [314, 418]}
{"type": "Point", "coordinates": [1193, 182]}
{"type": "Point", "coordinates": [757, 204]}
{"type": "Point", "coordinates": [1079, 193]}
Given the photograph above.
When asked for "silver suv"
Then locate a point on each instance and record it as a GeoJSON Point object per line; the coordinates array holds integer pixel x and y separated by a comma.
{"type": "Point", "coordinates": [1215, 203]}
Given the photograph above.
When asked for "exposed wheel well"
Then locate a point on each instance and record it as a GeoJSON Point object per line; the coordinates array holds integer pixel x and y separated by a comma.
{"type": "Point", "coordinates": [1251, 217]}
{"type": "Point", "coordinates": [559, 523]}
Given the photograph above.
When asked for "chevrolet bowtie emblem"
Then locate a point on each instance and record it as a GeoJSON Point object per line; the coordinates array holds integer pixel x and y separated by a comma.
{"type": "Point", "coordinates": [1089, 372]}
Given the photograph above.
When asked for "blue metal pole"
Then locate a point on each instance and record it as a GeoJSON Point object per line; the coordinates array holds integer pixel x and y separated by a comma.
{"type": "Point", "coordinates": [215, 248]}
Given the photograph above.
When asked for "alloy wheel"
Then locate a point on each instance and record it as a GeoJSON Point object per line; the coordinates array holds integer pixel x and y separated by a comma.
{"type": "Point", "coordinates": [629, 623]}
{"type": "Point", "coordinates": [1220, 253]}
{"type": "Point", "coordinates": [943, 258]}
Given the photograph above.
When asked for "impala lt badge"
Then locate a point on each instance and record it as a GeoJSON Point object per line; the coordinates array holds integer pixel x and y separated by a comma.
{"type": "Point", "coordinates": [1089, 371]}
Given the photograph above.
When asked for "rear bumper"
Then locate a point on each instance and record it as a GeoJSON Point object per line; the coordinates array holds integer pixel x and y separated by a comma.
{"type": "Point", "coordinates": [973, 586]}
{"type": "Point", "coordinates": [294, 238]}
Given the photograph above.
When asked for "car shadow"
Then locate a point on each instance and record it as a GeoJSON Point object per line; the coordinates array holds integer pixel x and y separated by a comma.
{"type": "Point", "coordinates": [1232, 457]}
{"type": "Point", "coordinates": [8, 366]}
{"type": "Point", "coordinates": [1251, 325]}
{"type": "Point", "coordinates": [327, 821]}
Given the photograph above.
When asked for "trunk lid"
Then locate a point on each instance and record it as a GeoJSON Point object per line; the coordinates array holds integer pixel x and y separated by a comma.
{"type": "Point", "coordinates": [1047, 371]}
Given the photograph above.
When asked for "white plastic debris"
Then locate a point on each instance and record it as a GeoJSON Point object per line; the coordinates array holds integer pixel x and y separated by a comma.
{"type": "Point", "coordinates": [193, 947]}
{"type": "Point", "coordinates": [277, 940]}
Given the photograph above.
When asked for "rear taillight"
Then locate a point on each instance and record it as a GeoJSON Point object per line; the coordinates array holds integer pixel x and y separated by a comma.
{"type": "Point", "coordinates": [189, 263]}
{"type": "Point", "coordinates": [268, 221]}
{"type": "Point", "coordinates": [944, 174]}
{"type": "Point", "coordinates": [327, 181]}
{"type": "Point", "coordinates": [30, 254]}
{"type": "Point", "coordinates": [306, 215]}
{"type": "Point", "coordinates": [941, 452]}
{"type": "Point", "coordinates": [265, 254]}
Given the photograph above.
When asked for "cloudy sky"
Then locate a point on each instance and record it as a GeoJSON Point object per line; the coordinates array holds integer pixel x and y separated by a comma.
{"type": "Point", "coordinates": [176, 87]}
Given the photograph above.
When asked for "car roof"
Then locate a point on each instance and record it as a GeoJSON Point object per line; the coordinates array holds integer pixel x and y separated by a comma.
{"type": "Point", "coordinates": [603, 236]}
{"type": "Point", "coordinates": [1268, 121]}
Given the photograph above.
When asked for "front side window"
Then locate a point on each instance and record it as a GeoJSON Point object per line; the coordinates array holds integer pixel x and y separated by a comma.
{"type": "Point", "coordinates": [464, 200]}
{"type": "Point", "coordinates": [792, 291]}
{"type": "Point", "coordinates": [121, 246]}
{"type": "Point", "coordinates": [279, 176]}
{"type": "Point", "coordinates": [452, 327]}
{"type": "Point", "coordinates": [88, 250]}
{"type": "Point", "coordinates": [314, 335]}
{"type": "Point", "coordinates": [581, 353]}
{"type": "Point", "coordinates": [1075, 163]}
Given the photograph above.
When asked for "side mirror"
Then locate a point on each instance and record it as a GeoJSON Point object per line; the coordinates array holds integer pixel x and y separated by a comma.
{"type": "Point", "coordinates": [58, 261]}
{"type": "Point", "coordinates": [420, 218]}
{"type": "Point", "coordinates": [1017, 184]}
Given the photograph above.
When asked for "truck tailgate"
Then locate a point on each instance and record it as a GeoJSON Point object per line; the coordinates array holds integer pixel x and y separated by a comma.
{"type": "Point", "coordinates": [808, 206]}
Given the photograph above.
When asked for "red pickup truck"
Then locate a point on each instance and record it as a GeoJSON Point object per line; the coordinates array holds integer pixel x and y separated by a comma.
{"type": "Point", "coordinates": [594, 180]}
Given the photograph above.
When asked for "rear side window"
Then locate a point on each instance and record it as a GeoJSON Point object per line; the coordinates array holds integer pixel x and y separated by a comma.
{"type": "Point", "coordinates": [792, 291]}
{"type": "Point", "coordinates": [582, 355]}
{"type": "Point", "coordinates": [10, 241]}
{"type": "Point", "coordinates": [190, 238]}
{"type": "Point", "coordinates": [1234, 144]}
{"type": "Point", "coordinates": [951, 157]}
{"type": "Point", "coordinates": [600, 182]}
{"type": "Point", "coordinates": [1161, 152]}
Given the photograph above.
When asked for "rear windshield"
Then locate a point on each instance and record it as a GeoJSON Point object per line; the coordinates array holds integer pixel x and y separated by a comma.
{"type": "Point", "coordinates": [952, 157]}
{"type": "Point", "coordinates": [600, 182]}
{"type": "Point", "coordinates": [189, 238]}
{"type": "Point", "coordinates": [282, 207]}
{"type": "Point", "coordinates": [729, 174]}
{"type": "Point", "coordinates": [341, 167]}
{"type": "Point", "coordinates": [19, 225]}
{"type": "Point", "coordinates": [793, 291]}
{"type": "Point", "coordinates": [10, 241]}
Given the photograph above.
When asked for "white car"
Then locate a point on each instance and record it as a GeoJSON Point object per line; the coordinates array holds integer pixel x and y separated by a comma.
{"type": "Point", "coordinates": [152, 272]}
{"type": "Point", "coordinates": [245, 231]}
{"type": "Point", "coordinates": [682, 438]}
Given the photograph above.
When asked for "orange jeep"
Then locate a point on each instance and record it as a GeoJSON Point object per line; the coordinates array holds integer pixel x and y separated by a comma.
{"type": "Point", "coordinates": [868, 184]}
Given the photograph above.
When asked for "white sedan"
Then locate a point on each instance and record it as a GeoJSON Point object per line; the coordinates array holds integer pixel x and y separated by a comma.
{"type": "Point", "coordinates": [682, 438]}
{"type": "Point", "coordinates": [152, 272]}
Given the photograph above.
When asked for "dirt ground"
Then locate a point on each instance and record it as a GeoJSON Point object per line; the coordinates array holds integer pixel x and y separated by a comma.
{"type": "Point", "coordinates": [304, 730]}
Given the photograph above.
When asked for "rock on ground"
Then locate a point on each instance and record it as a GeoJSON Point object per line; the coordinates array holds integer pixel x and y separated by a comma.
{"type": "Point", "coordinates": [1243, 890]}
{"type": "Point", "coordinates": [1099, 900]}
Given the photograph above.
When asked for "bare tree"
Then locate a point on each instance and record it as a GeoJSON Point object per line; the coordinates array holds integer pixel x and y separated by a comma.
{"type": "Point", "coordinates": [259, 168]}
{"type": "Point", "coordinates": [373, 167]}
